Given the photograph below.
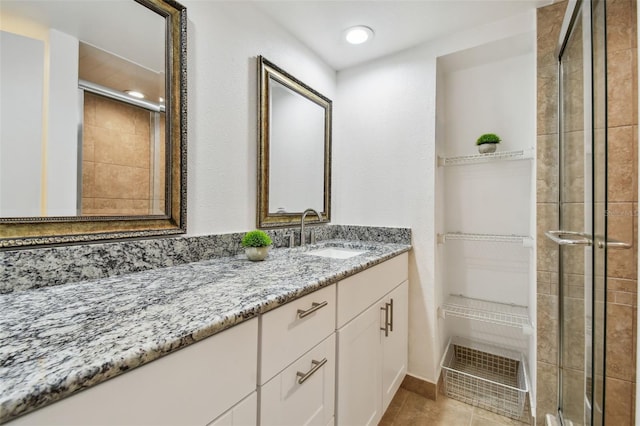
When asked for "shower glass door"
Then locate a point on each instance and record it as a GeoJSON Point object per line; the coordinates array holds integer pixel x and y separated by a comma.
{"type": "Point", "coordinates": [582, 219]}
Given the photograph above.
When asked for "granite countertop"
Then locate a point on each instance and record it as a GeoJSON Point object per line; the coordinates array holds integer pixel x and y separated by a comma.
{"type": "Point", "coordinates": [58, 340]}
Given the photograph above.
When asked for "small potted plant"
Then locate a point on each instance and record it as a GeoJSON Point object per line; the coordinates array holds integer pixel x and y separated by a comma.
{"type": "Point", "coordinates": [487, 143]}
{"type": "Point", "coordinates": [256, 244]}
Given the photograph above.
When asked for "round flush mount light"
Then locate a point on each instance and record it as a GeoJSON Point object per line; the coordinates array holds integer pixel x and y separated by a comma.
{"type": "Point", "coordinates": [358, 34]}
{"type": "Point", "coordinates": [135, 94]}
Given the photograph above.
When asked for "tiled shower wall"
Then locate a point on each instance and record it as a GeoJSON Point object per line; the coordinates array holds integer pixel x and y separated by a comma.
{"type": "Point", "coordinates": [118, 174]}
{"type": "Point", "coordinates": [622, 211]}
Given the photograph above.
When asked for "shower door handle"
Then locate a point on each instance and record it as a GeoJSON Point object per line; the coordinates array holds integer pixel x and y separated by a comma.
{"type": "Point", "coordinates": [569, 238]}
{"type": "Point", "coordinates": [613, 244]}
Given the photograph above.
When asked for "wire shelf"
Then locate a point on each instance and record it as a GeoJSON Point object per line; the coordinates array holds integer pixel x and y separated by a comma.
{"type": "Point", "coordinates": [525, 240]}
{"type": "Point", "coordinates": [523, 154]}
{"type": "Point", "coordinates": [509, 315]}
{"type": "Point", "coordinates": [485, 376]}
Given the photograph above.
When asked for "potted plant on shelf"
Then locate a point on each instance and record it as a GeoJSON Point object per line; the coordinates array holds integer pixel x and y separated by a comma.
{"type": "Point", "coordinates": [256, 244]}
{"type": "Point", "coordinates": [487, 143]}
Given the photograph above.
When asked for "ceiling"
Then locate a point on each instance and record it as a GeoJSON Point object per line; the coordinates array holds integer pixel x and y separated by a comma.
{"type": "Point", "coordinates": [398, 24]}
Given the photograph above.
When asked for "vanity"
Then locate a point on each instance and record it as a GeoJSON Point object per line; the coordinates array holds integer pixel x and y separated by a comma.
{"type": "Point", "coordinates": [300, 338]}
{"type": "Point", "coordinates": [313, 335]}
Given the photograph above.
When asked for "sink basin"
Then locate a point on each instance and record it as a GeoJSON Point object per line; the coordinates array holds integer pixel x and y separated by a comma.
{"type": "Point", "coordinates": [336, 252]}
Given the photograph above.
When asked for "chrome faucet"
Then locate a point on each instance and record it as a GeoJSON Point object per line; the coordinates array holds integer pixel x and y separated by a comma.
{"type": "Point", "coordinates": [304, 215]}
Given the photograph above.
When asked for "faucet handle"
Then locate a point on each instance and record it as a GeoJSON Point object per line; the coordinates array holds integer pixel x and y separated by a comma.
{"type": "Point", "coordinates": [312, 236]}
{"type": "Point", "coordinates": [292, 238]}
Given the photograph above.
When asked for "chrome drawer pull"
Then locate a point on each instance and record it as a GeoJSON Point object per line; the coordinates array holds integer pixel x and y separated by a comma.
{"type": "Point", "coordinates": [386, 319]}
{"type": "Point", "coordinates": [316, 366]}
{"type": "Point", "coordinates": [391, 322]}
{"type": "Point", "coordinates": [314, 307]}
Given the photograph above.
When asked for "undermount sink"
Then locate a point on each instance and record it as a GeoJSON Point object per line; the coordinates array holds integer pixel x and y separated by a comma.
{"type": "Point", "coordinates": [336, 252]}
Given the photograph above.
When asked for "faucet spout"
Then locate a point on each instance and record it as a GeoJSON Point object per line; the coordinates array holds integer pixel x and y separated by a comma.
{"type": "Point", "coordinates": [304, 215]}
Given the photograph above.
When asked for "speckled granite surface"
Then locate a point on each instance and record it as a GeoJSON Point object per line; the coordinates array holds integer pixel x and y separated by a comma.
{"type": "Point", "coordinates": [60, 339]}
{"type": "Point", "coordinates": [35, 268]}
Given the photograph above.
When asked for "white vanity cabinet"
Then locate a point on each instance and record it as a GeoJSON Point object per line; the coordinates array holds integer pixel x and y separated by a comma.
{"type": "Point", "coordinates": [192, 386]}
{"type": "Point", "coordinates": [244, 413]}
{"type": "Point", "coordinates": [372, 341]}
{"type": "Point", "coordinates": [297, 366]}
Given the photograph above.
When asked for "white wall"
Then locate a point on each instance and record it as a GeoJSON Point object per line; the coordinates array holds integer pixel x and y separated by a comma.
{"type": "Point", "coordinates": [224, 40]}
{"type": "Point", "coordinates": [385, 164]}
{"type": "Point", "coordinates": [21, 94]}
{"type": "Point", "coordinates": [64, 116]}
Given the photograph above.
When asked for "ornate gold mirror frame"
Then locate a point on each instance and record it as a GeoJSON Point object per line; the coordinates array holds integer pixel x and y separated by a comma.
{"type": "Point", "coordinates": [35, 231]}
{"type": "Point", "coordinates": [268, 72]}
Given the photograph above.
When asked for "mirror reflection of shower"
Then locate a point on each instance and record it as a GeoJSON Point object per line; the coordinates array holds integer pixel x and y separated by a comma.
{"type": "Point", "coordinates": [122, 154]}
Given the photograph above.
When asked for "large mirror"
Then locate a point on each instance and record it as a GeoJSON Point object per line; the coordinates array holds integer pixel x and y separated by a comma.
{"type": "Point", "coordinates": [294, 149]}
{"type": "Point", "coordinates": [93, 113]}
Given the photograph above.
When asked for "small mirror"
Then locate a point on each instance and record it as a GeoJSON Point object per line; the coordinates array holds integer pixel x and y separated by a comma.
{"type": "Point", "coordinates": [83, 157]}
{"type": "Point", "coordinates": [294, 149]}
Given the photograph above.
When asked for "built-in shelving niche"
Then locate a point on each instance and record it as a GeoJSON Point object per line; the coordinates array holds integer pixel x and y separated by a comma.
{"type": "Point", "coordinates": [485, 251]}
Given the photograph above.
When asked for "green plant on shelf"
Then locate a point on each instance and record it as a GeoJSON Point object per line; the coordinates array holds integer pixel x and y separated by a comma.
{"type": "Point", "coordinates": [256, 238]}
{"type": "Point", "coordinates": [488, 138]}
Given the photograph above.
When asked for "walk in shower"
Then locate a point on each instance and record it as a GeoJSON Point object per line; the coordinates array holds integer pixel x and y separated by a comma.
{"type": "Point", "coordinates": [582, 234]}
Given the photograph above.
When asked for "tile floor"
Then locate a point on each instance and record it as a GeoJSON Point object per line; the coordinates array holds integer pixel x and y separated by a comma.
{"type": "Point", "coordinates": [411, 409]}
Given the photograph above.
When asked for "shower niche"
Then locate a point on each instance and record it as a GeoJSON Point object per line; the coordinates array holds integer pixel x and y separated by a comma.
{"type": "Point", "coordinates": [485, 274]}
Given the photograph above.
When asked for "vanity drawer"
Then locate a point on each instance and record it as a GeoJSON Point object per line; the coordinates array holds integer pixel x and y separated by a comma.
{"type": "Point", "coordinates": [291, 330]}
{"type": "Point", "coordinates": [286, 401]}
{"type": "Point", "coordinates": [358, 292]}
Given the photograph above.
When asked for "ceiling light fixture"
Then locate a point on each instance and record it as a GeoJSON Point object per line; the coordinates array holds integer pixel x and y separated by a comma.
{"type": "Point", "coordinates": [135, 94]}
{"type": "Point", "coordinates": [358, 34]}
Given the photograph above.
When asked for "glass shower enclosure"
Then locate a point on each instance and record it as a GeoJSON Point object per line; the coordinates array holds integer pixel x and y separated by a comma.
{"type": "Point", "coordinates": [582, 205]}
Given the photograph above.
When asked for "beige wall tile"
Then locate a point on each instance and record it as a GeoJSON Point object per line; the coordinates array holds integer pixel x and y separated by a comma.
{"type": "Point", "coordinates": [549, 21]}
{"type": "Point", "coordinates": [618, 402]}
{"type": "Point", "coordinates": [88, 142]}
{"type": "Point", "coordinates": [547, 101]}
{"type": "Point", "coordinates": [622, 263]}
{"type": "Point", "coordinates": [620, 27]}
{"type": "Point", "coordinates": [114, 147]}
{"type": "Point", "coordinates": [547, 168]}
{"type": "Point", "coordinates": [574, 329]}
{"type": "Point", "coordinates": [547, 219]}
{"type": "Point", "coordinates": [617, 284]}
{"type": "Point", "coordinates": [88, 179]}
{"type": "Point", "coordinates": [620, 88]}
{"type": "Point", "coordinates": [114, 181]}
{"type": "Point", "coordinates": [547, 328]}
{"type": "Point", "coordinates": [622, 171]}
{"type": "Point", "coordinates": [547, 392]}
{"type": "Point", "coordinates": [114, 115]}
{"type": "Point", "coordinates": [620, 342]}
{"type": "Point", "coordinates": [543, 281]}
{"type": "Point", "coordinates": [573, 395]}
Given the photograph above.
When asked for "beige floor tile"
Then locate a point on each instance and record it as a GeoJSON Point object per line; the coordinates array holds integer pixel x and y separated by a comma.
{"type": "Point", "coordinates": [410, 409]}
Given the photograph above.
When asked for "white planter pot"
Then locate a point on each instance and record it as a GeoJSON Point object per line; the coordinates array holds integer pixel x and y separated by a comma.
{"type": "Point", "coordinates": [256, 253]}
{"type": "Point", "coordinates": [487, 148]}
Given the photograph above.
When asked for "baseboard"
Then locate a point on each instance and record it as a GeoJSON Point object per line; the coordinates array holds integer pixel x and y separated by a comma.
{"type": "Point", "coordinates": [420, 386]}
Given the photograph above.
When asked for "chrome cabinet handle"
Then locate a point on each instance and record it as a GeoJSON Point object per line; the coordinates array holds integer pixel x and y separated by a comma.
{"type": "Point", "coordinates": [385, 308]}
{"type": "Point", "coordinates": [316, 365]}
{"type": "Point", "coordinates": [314, 307]}
{"type": "Point", "coordinates": [388, 318]}
{"type": "Point", "coordinates": [613, 244]}
{"type": "Point", "coordinates": [569, 238]}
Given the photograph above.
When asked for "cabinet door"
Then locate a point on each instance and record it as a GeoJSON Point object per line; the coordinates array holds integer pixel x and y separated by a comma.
{"type": "Point", "coordinates": [284, 401]}
{"type": "Point", "coordinates": [395, 344]}
{"type": "Point", "coordinates": [188, 387]}
{"type": "Point", "coordinates": [359, 370]}
{"type": "Point", "coordinates": [245, 413]}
